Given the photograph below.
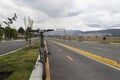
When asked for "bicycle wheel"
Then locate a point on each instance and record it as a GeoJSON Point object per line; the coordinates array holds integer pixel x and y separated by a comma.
{"type": "Point", "coordinates": [44, 65]}
{"type": "Point", "coordinates": [41, 54]}
{"type": "Point", "coordinates": [44, 71]}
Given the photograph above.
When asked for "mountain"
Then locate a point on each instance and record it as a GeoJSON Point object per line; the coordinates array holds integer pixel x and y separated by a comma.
{"type": "Point", "coordinates": [73, 32]}
{"type": "Point", "coordinates": [113, 32]}
{"type": "Point", "coordinates": [67, 32]}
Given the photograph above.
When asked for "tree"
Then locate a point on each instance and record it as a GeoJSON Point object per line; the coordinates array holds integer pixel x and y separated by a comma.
{"type": "Point", "coordinates": [28, 29]}
{"type": "Point", "coordinates": [14, 33]}
{"type": "Point", "coordinates": [10, 20]}
{"type": "Point", "coordinates": [1, 32]}
{"type": "Point", "coordinates": [21, 30]}
{"type": "Point", "coordinates": [28, 34]}
{"type": "Point", "coordinates": [8, 33]}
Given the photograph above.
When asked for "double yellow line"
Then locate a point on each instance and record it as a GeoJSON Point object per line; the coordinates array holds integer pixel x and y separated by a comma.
{"type": "Point", "coordinates": [91, 55]}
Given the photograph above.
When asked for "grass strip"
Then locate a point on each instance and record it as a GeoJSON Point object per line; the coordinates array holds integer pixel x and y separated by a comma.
{"type": "Point", "coordinates": [20, 63]}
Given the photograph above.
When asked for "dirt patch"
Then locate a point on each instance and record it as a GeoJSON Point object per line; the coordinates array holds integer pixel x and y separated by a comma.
{"type": "Point", "coordinates": [4, 75]}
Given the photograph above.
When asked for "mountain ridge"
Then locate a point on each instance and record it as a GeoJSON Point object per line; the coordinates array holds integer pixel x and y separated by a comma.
{"type": "Point", "coordinates": [113, 32]}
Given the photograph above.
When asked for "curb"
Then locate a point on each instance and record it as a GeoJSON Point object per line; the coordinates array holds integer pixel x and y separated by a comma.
{"type": "Point", "coordinates": [37, 71]}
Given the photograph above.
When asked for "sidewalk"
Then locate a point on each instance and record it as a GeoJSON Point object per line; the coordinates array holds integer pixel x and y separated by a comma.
{"type": "Point", "coordinates": [37, 71]}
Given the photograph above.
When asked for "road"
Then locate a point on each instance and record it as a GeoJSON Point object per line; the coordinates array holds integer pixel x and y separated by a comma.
{"type": "Point", "coordinates": [68, 65]}
{"type": "Point", "coordinates": [9, 46]}
{"type": "Point", "coordinates": [111, 51]}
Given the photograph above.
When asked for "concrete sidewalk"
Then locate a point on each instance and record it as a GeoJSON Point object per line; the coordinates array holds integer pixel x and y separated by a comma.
{"type": "Point", "coordinates": [37, 71]}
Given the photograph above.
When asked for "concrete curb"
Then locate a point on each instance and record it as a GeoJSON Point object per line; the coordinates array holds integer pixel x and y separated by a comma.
{"type": "Point", "coordinates": [37, 71]}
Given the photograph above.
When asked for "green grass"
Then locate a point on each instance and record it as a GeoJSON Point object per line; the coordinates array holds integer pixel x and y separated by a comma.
{"type": "Point", "coordinates": [20, 62]}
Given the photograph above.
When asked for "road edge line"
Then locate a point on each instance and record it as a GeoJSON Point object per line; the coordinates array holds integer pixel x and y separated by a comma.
{"type": "Point", "coordinates": [47, 64]}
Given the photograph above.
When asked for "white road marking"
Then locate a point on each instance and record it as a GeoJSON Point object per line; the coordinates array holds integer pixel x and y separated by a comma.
{"type": "Point", "coordinates": [76, 63]}
{"type": "Point", "coordinates": [59, 49]}
{"type": "Point", "coordinates": [70, 58]}
{"type": "Point", "coordinates": [77, 44]}
{"type": "Point", "coordinates": [101, 49]}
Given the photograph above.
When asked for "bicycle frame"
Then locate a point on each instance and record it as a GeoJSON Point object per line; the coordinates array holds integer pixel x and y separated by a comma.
{"type": "Point", "coordinates": [43, 54]}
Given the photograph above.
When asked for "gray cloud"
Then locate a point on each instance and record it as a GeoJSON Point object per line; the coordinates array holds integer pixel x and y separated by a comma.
{"type": "Point", "coordinates": [71, 14]}
{"type": "Point", "coordinates": [51, 8]}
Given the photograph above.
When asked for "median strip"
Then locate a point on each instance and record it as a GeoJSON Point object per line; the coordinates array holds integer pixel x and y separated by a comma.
{"type": "Point", "coordinates": [19, 64]}
{"type": "Point", "coordinates": [110, 62]}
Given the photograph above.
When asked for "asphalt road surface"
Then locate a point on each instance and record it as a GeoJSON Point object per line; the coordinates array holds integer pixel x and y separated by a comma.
{"type": "Point", "coordinates": [110, 51]}
{"type": "Point", "coordinates": [9, 46]}
{"type": "Point", "coordinates": [68, 65]}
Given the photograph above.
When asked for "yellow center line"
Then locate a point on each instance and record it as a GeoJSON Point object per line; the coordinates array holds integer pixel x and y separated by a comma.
{"type": "Point", "coordinates": [70, 58]}
{"type": "Point", "coordinates": [110, 62]}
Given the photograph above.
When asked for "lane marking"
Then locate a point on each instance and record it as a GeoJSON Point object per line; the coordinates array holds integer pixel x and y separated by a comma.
{"type": "Point", "coordinates": [47, 65]}
{"type": "Point", "coordinates": [105, 61]}
{"type": "Point", "coordinates": [70, 58]}
{"type": "Point", "coordinates": [77, 44]}
{"type": "Point", "coordinates": [59, 49]}
{"type": "Point", "coordinates": [47, 70]}
{"type": "Point", "coordinates": [101, 49]}
{"type": "Point", "coordinates": [76, 63]}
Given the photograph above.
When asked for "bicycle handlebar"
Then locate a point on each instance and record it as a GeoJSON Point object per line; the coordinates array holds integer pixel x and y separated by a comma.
{"type": "Point", "coordinates": [42, 31]}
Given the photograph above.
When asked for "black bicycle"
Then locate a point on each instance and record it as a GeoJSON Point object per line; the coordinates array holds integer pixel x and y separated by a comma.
{"type": "Point", "coordinates": [42, 51]}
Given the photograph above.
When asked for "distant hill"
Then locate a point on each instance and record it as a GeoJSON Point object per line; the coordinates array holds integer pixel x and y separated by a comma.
{"type": "Point", "coordinates": [73, 32]}
{"type": "Point", "coordinates": [67, 32]}
{"type": "Point", "coordinates": [113, 32]}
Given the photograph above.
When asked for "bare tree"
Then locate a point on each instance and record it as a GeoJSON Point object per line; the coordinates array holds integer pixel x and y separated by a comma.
{"type": "Point", "coordinates": [28, 27]}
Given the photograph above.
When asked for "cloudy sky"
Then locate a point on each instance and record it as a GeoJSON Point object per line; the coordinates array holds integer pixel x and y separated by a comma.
{"type": "Point", "coordinates": [81, 15]}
